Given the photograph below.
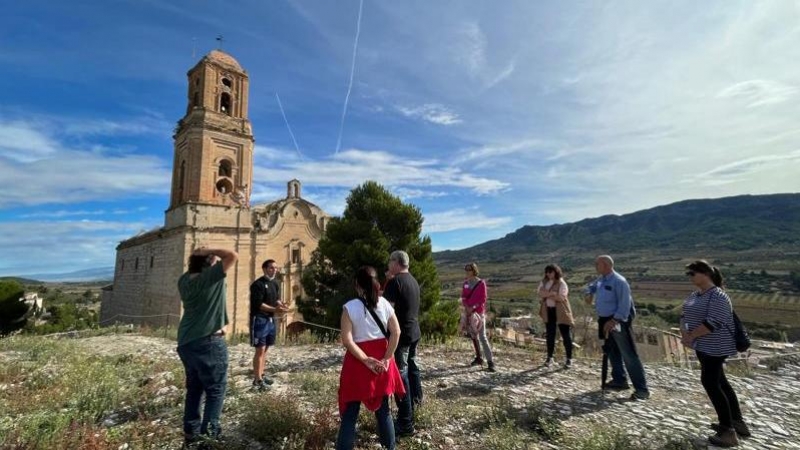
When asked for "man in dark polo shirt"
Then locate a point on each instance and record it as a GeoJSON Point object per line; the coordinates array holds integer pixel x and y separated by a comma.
{"type": "Point", "coordinates": [201, 341]}
{"type": "Point", "coordinates": [402, 291]}
{"type": "Point", "coordinates": [265, 294]}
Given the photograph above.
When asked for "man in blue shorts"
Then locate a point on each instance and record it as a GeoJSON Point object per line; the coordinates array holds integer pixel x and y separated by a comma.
{"type": "Point", "coordinates": [264, 304]}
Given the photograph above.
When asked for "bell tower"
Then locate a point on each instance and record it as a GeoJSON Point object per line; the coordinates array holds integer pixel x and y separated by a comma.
{"type": "Point", "coordinates": [213, 156]}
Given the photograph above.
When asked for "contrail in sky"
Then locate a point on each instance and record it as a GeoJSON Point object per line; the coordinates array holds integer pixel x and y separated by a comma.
{"type": "Point", "coordinates": [352, 72]}
{"type": "Point", "coordinates": [288, 127]}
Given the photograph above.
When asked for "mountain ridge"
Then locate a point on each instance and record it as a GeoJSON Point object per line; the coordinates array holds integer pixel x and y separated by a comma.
{"type": "Point", "coordinates": [732, 223]}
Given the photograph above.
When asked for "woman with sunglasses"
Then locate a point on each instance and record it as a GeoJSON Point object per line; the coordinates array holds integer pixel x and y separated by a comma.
{"type": "Point", "coordinates": [555, 311]}
{"type": "Point", "coordinates": [707, 327]}
{"type": "Point", "coordinates": [473, 299]}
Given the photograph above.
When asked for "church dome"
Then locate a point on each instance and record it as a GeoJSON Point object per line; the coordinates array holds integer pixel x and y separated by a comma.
{"type": "Point", "coordinates": [220, 57]}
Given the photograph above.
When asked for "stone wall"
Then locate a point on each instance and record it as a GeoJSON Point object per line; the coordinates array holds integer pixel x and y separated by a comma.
{"type": "Point", "coordinates": [145, 280]}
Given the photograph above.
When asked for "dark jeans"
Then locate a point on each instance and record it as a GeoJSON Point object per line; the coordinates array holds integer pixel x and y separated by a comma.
{"type": "Point", "coordinates": [205, 361]}
{"type": "Point", "coordinates": [406, 358]}
{"type": "Point", "coordinates": [566, 334]}
{"type": "Point", "coordinates": [347, 430]}
{"type": "Point", "coordinates": [621, 348]}
{"type": "Point", "coordinates": [712, 375]}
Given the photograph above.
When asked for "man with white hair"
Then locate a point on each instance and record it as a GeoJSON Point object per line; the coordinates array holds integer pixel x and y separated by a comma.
{"type": "Point", "coordinates": [402, 291]}
{"type": "Point", "coordinates": [615, 311]}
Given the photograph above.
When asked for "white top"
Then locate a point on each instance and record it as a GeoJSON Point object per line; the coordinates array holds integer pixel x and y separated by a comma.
{"type": "Point", "coordinates": [364, 326]}
{"type": "Point", "coordinates": [563, 291]}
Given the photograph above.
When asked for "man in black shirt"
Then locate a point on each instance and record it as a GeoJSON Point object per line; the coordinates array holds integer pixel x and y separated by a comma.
{"type": "Point", "coordinates": [264, 303]}
{"type": "Point", "coordinates": [403, 292]}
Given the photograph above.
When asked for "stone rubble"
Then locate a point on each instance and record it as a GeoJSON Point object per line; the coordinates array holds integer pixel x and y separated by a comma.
{"type": "Point", "coordinates": [677, 409]}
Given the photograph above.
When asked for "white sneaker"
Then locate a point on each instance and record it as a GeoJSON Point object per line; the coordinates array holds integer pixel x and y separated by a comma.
{"type": "Point", "coordinates": [549, 362]}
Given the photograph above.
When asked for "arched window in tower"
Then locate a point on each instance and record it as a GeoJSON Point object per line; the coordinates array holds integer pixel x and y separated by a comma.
{"type": "Point", "coordinates": [225, 103]}
{"type": "Point", "coordinates": [225, 169]}
{"type": "Point", "coordinates": [196, 100]}
{"type": "Point", "coordinates": [224, 186]}
{"type": "Point", "coordinates": [227, 83]}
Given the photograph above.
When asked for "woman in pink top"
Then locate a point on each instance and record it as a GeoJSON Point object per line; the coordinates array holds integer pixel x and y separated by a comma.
{"type": "Point", "coordinates": [473, 298]}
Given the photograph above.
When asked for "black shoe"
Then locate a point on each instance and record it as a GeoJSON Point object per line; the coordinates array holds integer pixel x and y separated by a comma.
{"type": "Point", "coordinates": [260, 386]}
{"type": "Point", "coordinates": [615, 386]}
{"type": "Point", "coordinates": [568, 364]}
{"type": "Point", "coordinates": [548, 362]}
{"type": "Point", "coordinates": [266, 380]}
{"type": "Point", "coordinates": [491, 367]}
{"type": "Point", "coordinates": [741, 428]}
{"type": "Point", "coordinates": [478, 361]}
{"type": "Point", "coordinates": [724, 438]}
{"type": "Point", "coordinates": [640, 396]}
{"type": "Point", "coordinates": [405, 433]}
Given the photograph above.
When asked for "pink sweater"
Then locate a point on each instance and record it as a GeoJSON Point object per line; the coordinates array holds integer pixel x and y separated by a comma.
{"type": "Point", "coordinates": [477, 300]}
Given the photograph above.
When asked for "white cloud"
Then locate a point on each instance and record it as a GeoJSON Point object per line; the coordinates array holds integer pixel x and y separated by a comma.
{"type": "Point", "coordinates": [472, 47]}
{"type": "Point", "coordinates": [61, 246]}
{"type": "Point", "coordinates": [352, 167]}
{"type": "Point", "coordinates": [22, 142]}
{"type": "Point", "coordinates": [431, 112]}
{"type": "Point", "coordinates": [759, 92]}
{"type": "Point", "coordinates": [43, 169]}
{"type": "Point", "coordinates": [461, 219]}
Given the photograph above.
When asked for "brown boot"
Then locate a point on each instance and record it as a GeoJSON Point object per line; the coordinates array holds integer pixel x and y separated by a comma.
{"type": "Point", "coordinates": [724, 438]}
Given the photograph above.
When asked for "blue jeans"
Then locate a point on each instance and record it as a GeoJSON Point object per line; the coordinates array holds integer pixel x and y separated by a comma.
{"type": "Point", "coordinates": [621, 348]}
{"type": "Point", "coordinates": [347, 430]}
{"type": "Point", "coordinates": [205, 361]}
{"type": "Point", "coordinates": [406, 358]}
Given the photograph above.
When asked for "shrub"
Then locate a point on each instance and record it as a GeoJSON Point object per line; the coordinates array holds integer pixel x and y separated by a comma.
{"type": "Point", "coordinates": [441, 321]}
{"type": "Point", "coordinates": [272, 419]}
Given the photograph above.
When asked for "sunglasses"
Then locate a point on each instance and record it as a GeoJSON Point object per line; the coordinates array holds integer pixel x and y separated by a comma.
{"type": "Point", "coordinates": [468, 269]}
{"type": "Point", "coordinates": [690, 273]}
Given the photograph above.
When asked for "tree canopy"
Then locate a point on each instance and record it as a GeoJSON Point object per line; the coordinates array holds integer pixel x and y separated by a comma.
{"type": "Point", "coordinates": [374, 224]}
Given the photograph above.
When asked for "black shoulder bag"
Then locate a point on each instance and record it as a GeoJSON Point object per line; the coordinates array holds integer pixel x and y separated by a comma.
{"type": "Point", "coordinates": [741, 336]}
{"type": "Point", "coordinates": [376, 319]}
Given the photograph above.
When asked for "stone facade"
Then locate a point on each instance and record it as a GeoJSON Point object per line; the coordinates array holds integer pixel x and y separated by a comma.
{"type": "Point", "coordinates": [209, 207]}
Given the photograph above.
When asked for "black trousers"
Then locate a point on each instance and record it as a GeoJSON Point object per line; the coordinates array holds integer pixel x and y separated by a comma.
{"type": "Point", "coordinates": [566, 334]}
{"type": "Point", "coordinates": [712, 375]}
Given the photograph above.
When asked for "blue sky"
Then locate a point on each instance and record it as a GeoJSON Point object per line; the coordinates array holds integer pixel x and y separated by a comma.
{"type": "Point", "coordinates": [487, 115]}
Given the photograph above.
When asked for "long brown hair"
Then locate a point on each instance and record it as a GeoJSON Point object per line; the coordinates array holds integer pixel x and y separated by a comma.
{"type": "Point", "coordinates": [367, 279]}
{"type": "Point", "coordinates": [555, 269]}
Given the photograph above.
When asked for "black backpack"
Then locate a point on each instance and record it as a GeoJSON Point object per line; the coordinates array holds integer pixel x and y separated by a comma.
{"type": "Point", "coordinates": [740, 334]}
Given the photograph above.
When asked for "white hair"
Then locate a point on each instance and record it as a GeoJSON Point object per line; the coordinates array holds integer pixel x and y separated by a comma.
{"type": "Point", "coordinates": [606, 258]}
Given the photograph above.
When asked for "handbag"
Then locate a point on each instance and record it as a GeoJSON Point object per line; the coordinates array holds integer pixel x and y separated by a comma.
{"type": "Point", "coordinates": [740, 334]}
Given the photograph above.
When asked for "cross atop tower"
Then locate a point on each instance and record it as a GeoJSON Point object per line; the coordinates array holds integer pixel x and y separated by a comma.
{"type": "Point", "coordinates": [219, 40]}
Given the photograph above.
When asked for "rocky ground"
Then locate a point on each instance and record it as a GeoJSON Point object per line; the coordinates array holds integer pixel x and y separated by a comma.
{"type": "Point", "coordinates": [467, 408]}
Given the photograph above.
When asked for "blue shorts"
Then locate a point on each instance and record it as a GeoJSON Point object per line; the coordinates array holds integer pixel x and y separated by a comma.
{"type": "Point", "coordinates": [262, 331]}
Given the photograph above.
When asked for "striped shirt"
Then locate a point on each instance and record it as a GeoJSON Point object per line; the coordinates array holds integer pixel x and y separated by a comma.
{"type": "Point", "coordinates": [714, 310]}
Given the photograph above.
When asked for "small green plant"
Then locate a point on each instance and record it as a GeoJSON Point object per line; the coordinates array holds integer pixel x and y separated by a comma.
{"type": "Point", "coordinates": [536, 420]}
{"type": "Point", "coordinates": [275, 419]}
{"type": "Point", "coordinates": [602, 438]}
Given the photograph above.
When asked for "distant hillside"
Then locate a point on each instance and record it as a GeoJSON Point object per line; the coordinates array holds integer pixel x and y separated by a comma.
{"type": "Point", "coordinates": [95, 274]}
{"type": "Point", "coordinates": [22, 281]}
{"type": "Point", "coordinates": [733, 223]}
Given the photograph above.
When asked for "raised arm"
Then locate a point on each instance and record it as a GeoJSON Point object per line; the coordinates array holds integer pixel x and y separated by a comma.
{"type": "Point", "coordinates": [228, 257]}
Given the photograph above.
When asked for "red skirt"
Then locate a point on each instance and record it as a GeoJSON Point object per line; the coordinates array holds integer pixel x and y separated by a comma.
{"type": "Point", "coordinates": [359, 384]}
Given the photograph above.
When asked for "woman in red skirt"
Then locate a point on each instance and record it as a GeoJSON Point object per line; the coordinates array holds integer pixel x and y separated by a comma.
{"type": "Point", "coordinates": [370, 333]}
